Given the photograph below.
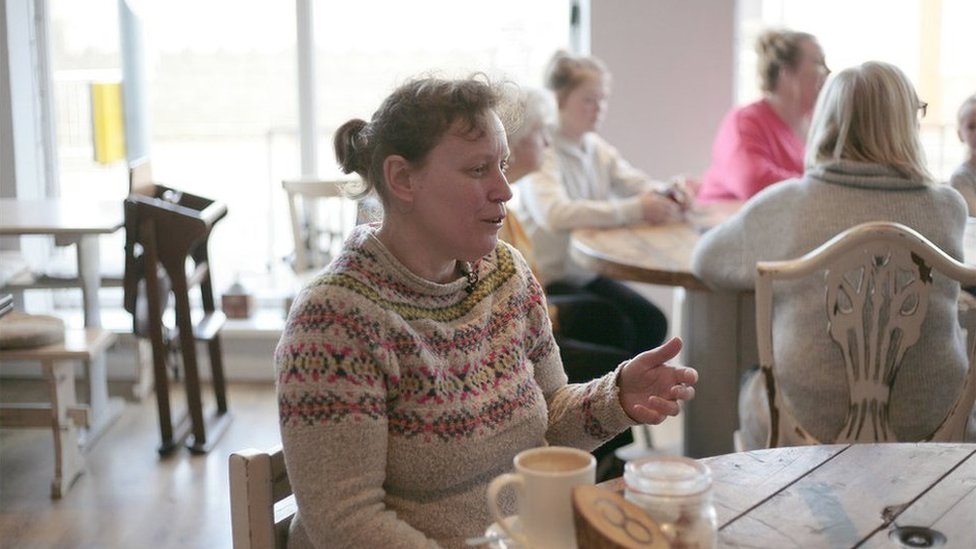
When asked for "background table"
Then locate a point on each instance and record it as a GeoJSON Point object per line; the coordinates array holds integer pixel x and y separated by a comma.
{"type": "Point", "coordinates": [718, 328]}
{"type": "Point", "coordinates": [78, 222]}
{"type": "Point", "coordinates": [844, 495]}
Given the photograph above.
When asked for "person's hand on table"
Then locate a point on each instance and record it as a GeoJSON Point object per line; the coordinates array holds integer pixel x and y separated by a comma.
{"type": "Point", "coordinates": [657, 208]}
{"type": "Point", "coordinates": [684, 190]}
{"type": "Point", "coordinates": [650, 389]}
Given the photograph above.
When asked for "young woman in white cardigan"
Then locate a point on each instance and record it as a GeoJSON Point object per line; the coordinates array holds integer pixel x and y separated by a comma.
{"type": "Point", "coordinates": [584, 182]}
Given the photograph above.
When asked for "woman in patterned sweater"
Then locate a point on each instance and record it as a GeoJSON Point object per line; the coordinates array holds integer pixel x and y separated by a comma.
{"type": "Point", "coordinates": [422, 360]}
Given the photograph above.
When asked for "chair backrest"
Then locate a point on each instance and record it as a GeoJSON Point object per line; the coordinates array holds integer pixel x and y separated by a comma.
{"type": "Point", "coordinates": [261, 502]}
{"type": "Point", "coordinates": [307, 230]}
{"type": "Point", "coordinates": [878, 277]}
{"type": "Point", "coordinates": [140, 177]}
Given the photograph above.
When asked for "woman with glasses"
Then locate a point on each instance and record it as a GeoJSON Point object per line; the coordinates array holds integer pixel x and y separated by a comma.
{"type": "Point", "coordinates": [761, 143]}
{"type": "Point", "coordinates": [864, 163]}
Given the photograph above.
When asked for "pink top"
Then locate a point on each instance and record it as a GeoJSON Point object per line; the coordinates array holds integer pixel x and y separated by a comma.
{"type": "Point", "coordinates": [754, 148]}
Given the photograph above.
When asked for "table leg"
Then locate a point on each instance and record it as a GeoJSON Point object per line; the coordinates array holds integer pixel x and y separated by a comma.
{"type": "Point", "coordinates": [89, 275]}
{"type": "Point", "coordinates": [69, 462]}
{"type": "Point", "coordinates": [104, 411]}
{"type": "Point", "coordinates": [720, 342]}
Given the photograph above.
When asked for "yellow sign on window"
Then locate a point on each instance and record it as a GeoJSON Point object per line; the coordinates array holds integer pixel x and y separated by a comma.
{"type": "Point", "coordinates": [108, 122]}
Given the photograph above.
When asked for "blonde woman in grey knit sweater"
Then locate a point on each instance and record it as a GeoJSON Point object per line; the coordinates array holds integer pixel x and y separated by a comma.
{"type": "Point", "coordinates": [421, 360]}
{"type": "Point", "coordinates": [864, 162]}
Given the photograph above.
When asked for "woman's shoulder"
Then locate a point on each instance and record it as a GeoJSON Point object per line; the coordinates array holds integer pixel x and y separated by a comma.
{"type": "Point", "coordinates": [964, 175]}
{"type": "Point", "coordinates": [755, 115]}
{"type": "Point", "coordinates": [950, 200]}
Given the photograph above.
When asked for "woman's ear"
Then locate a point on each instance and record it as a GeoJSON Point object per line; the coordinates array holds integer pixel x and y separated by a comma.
{"type": "Point", "coordinates": [398, 174]}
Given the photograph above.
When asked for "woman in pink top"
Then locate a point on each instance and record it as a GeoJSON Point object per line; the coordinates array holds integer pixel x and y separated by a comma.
{"type": "Point", "coordinates": [762, 143]}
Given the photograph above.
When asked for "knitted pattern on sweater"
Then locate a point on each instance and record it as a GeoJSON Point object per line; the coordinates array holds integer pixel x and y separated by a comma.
{"type": "Point", "coordinates": [400, 398]}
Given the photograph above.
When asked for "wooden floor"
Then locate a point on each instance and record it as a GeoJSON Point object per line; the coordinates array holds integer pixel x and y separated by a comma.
{"type": "Point", "coordinates": [130, 496]}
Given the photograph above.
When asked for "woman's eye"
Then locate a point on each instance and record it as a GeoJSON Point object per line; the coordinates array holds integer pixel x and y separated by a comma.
{"type": "Point", "coordinates": [479, 170]}
{"type": "Point", "coordinates": [504, 166]}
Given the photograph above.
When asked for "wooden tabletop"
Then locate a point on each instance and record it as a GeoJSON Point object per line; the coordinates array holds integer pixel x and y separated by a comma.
{"type": "Point", "coordinates": [844, 495]}
{"type": "Point", "coordinates": [60, 217]}
{"type": "Point", "coordinates": [654, 254]}
{"type": "Point", "coordinates": [661, 254]}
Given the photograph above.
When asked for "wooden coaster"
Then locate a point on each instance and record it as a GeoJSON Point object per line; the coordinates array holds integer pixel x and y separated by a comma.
{"type": "Point", "coordinates": [605, 520]}
{"type": "Point", "coordinates": [23, 331]}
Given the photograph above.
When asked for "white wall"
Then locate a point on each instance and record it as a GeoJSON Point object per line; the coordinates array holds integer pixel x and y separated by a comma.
{"type": "Point", "coordinates": [673, 65]}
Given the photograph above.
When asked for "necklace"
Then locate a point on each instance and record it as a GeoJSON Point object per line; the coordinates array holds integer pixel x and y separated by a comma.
{"type": "Point", "coordinates": [471, 273]}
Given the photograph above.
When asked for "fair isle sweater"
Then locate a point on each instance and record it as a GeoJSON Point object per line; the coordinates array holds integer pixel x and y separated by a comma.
{"type": "Point", "coordinates": [400, 399]}
{"type": "Point", "coordinates": [788, 220]}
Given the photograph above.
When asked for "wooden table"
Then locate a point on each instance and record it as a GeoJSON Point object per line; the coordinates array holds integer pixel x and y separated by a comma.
{"type": "Point", "coordinates": [863, 495]}
{"type": "Point", "coordinates": [718, 328]}
{"type": "Point", "coordinates": [81, 223]}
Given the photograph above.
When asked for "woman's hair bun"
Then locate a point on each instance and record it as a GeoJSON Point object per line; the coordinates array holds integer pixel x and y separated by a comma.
{"type": "Point", "coordinates": [350, 144]}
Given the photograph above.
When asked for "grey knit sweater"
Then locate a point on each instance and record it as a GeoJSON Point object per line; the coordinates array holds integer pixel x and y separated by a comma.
{"type": "Point", "coordinates": [793, 217]}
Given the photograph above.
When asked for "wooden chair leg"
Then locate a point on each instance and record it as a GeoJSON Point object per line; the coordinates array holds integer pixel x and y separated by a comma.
{"type": "Point", "coordinates": [69, 462]}
{"type": "Point", "coordinates": [217, 374]}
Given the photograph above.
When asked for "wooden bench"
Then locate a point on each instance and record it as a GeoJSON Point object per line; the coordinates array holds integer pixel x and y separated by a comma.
{"type": "Point", "coordinates": [62, 413]}
{"type": "Point", "coordinates": [261, 501]}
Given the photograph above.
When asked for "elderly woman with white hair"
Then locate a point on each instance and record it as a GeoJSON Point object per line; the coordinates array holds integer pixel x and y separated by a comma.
{"type": "Point", "coordinates": [864, 162]}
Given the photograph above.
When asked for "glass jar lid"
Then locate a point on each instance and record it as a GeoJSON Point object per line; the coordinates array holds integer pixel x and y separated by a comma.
{"type": "Point", "coordinates": [667, 476]}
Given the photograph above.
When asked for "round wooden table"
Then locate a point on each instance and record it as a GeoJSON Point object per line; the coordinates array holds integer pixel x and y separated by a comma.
{"type": "Point", "coordinates": [862, 495]}
{"type": "Point", "coordinates": [718, 328]}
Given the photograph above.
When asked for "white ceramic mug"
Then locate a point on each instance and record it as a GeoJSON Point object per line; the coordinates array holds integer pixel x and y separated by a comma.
{"type": "Point", "coordinates": [543, 480]}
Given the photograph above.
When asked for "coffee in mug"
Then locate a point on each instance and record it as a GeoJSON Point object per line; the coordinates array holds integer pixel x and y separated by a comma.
{"type": "Point", "coordinates": [544, 479]}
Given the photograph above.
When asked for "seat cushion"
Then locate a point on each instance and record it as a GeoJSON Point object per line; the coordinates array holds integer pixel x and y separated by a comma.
{"type": "Point", "coordinates": [24, 331]}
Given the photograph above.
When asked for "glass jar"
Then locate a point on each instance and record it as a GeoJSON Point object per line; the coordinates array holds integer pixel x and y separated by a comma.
{"type": "Point", "coordinates": [677, 493]}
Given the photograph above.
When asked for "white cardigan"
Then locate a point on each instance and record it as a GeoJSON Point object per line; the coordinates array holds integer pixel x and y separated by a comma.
{"type": "Point", "coordinates": [576, 187]}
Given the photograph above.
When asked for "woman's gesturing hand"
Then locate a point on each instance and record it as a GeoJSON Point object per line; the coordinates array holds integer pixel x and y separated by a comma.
{"type": "Point", "coordinates": [650, 388]}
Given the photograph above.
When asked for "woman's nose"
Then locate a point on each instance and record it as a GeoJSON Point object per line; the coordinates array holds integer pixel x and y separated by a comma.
{"type": "Point", "coordinates": [501, 191]}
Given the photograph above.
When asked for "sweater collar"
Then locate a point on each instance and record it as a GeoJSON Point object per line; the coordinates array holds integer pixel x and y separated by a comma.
{"type": "Point", "coordinates": [863, 175]}
{"type": "Point", "coordinates": [365, 238]}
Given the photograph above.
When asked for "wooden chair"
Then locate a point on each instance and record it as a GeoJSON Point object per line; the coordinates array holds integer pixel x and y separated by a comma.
{"type": "Point", "coordinates": [307, 230]}
{"type": "Point", "coordinates": [165, 227]}
{"type": "Point", "coordinates": [866, 258]}
{"type": "Point", "coordinates": [62, 414]}
{"type": "Point", "coordinates": [261, 502]}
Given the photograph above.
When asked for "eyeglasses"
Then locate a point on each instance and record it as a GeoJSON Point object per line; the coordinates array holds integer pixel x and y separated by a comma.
{"type": "Point", "coordinates": [923, 107]}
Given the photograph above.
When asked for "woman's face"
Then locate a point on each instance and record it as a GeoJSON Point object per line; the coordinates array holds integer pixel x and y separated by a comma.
{"type": "Point", "coordinates": [583, 108]}
{"type": "Point", "coordinates": [809, 75]}
{"type": "Point", "coordinates": [527, 153]}
{"type": "Point", "coordinates": [460, 193]}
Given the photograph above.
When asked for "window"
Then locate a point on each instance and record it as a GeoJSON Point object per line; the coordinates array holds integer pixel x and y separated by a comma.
{"type": "Point", "coordinates": [222, 93]}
